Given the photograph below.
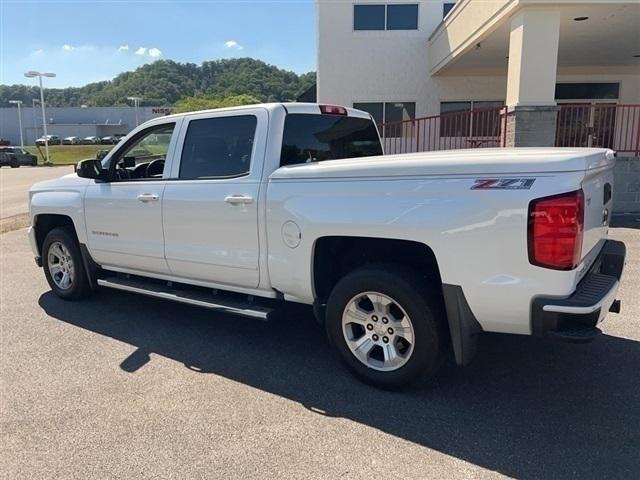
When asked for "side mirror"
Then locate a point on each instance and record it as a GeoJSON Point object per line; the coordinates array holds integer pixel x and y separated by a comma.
{"type": "Point", "coordinates": [91, 168]}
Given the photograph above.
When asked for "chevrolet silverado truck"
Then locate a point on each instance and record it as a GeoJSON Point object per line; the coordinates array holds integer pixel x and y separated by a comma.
{"type": "Point", "coordinates": [405, 258]}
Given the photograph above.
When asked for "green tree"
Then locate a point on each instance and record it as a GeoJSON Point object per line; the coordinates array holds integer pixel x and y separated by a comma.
{"type": "Point", "coordinates": [166, 82]}
{"type": "Point", "coordinates": [190, 104]}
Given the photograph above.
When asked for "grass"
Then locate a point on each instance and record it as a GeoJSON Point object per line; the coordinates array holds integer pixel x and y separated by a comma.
{"type": "Point", "coordinates": [67, 154]}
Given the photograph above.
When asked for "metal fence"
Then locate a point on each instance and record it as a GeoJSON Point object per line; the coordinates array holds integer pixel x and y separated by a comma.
{"type": "Point", "coordinates": [612, 126]}
{"type": "Point", "coordinates": [448, 131]}
{"type": "Point", "coordinates": [605, 125]}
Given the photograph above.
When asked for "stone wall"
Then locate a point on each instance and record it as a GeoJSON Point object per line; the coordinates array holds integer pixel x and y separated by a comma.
{"type": "Point", "coordinates": [530, 126]}
{"type": "Point", "coordinates": [626, 190]}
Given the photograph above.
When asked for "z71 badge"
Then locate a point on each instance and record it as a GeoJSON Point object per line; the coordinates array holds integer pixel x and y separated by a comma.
{"type": "Point", "coordinates": [502, 183]}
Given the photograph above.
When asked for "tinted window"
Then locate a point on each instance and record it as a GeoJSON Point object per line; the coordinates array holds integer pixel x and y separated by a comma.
{"type": "Point", "coordinates": [583, 91]}
{"type": "Point", "coordinates": [376, 110]}
{"type": "Point", "coordinates": [313, 138]}
{"type": "Point", "coordinates": [446, 8]}
{"type": "Point", "coordinates": [402, 17]}
{"type": "Point", "coordinates": [395, 112]}
{"type": "Point", "coordinates": [368, 17]}
{"type": "Point", "coordinates": [218, 147]}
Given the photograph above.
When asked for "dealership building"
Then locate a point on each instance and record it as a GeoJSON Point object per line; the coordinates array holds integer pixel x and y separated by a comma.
{"type": "Point", "coordinates": [564, 73]}
{"type": "Point", "coordinates": [73, 121]}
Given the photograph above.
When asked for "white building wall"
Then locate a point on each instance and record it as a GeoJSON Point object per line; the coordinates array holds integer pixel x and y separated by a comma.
{"type": "Point", "coordinates": [393, 66]}
{"type": "Point", "coordinates": [389, 66]}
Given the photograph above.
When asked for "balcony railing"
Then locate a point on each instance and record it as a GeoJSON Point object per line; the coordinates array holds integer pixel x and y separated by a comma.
{"type": "Point", "coordinates": [448, 131]}
{"type": "Point", "coordinates": [578, 125]}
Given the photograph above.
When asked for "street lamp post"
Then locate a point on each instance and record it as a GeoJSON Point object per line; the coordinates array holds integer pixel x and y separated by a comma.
{"type": "Point", "coordinates": [19, 104]}
{"type": "Point", "coordinates": [136, 104]}
{"type": "Point", "coordinates": [32, 74]}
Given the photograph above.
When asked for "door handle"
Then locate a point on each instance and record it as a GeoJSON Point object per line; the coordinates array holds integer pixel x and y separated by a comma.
{"type": "Point", "coordinates": [148, 197]}
{"type": "Point", "coordinates": [238, 199]}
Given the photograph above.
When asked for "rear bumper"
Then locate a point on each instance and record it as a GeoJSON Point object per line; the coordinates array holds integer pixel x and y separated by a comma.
{"type": "Point", "coordinates": [574, 318]}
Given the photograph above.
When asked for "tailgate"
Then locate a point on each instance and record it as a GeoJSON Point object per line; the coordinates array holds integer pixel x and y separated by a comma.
{"type": "Point", "coordinates": [598, 202]}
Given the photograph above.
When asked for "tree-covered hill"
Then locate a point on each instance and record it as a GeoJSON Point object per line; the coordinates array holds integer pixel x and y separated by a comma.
{"type": "Point", "coordinates": [165, 82]}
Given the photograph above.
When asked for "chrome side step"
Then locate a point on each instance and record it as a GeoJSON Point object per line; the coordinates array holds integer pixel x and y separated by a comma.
{"type": "Point", "coordinates": [195, 297]}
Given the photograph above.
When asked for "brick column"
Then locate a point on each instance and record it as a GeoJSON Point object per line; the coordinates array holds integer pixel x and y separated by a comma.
{"type": "Point", "coordinates": [531, 126]}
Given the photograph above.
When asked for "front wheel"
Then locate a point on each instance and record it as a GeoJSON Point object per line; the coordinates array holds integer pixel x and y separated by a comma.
{"type": "Point", "coordinates": [387, 324]}
{"type": "Point", "coordinates": [63, 267]}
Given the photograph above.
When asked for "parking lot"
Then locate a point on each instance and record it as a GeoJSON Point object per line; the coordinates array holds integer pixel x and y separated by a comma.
{"type": "Point", "coordinates": [121, 386]}
{"type": "Point", "coordinates": [15, 183]}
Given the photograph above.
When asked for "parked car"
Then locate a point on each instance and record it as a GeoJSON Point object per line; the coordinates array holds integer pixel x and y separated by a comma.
{"type": "Point", "coordinates": [16, 156]}
{"type": "Point", "coordinates": [109, 140]}
{"type": "Point", "coordinates": [405, 258]}
{"type": "Point", "coordinates": [90, 140]}
{"type": "Point", "coordinates": [4, 142]}
{"type": "Point", "coordinates": [52, 140]}
{"type": "Point", "coordinates": [120, 136]}
{"type": "Point", "coordinates": [71, 141]}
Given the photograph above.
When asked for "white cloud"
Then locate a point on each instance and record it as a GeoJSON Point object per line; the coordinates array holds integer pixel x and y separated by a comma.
{"type": "Point", "coordinates": [232, 44]}
{"type": "Point", "coordinates": [154, 52]}
{"type": "Point", "coordinates": [39, 51]}
{"type": "Point", "coordinates": [68, 48]}
{"type": "Point", "coordinates": [123, 48]}
{"type": "Point", "coordinates": [141, 51]}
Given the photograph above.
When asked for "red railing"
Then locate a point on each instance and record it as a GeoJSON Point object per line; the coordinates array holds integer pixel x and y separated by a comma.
{"type": "Point", "coordinates": [448, 131]}
{"type": "Point", "coordinates": [578, 125]}
{"type": "Point", "coordinates": [605, 125]}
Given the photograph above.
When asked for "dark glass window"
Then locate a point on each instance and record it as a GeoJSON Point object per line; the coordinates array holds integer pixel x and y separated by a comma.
{"type": "Point", "coordinates": [376, 109]}
{"type": "Point", "coordinates": [218, 147]}
{"type": "Point", "coordinates": [312, 138]}
{"type": "Point", "coordinates": [585, 91]}
{"type": "Point", "coordinates": [368, 17]}
{"type": "Point", "coordinates": [470, 119]}
{"type": "Point", "coordinates": [396, 112]}
{"type": "Point", "coordinates": [446, 8]}
{"type": "Point", "coordinates": [402, 17]}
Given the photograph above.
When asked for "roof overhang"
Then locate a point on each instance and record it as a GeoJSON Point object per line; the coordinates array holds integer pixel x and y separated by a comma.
{"type": "Point", "coordinates": [475, 35]}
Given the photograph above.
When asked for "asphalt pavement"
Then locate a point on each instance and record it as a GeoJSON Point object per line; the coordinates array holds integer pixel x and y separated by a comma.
{"type": "Point", "coordinates": [123, 386]}
{"type": "Point", "coordinates": [15, 184]}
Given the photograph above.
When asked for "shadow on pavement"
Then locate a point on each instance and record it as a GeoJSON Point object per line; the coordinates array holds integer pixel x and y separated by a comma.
{"type": "Point", "coordinates": [625, 221]}
{"type": "Point", "coordinates": [526, 407]}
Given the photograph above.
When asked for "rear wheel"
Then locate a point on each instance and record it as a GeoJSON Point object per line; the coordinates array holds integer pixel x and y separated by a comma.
{"type": "Point", "coordinates": [15, 163]}
{"type": "Point", "coordinates": [387, 324]}
{"type": "Point", "coordinates": [63, 267]}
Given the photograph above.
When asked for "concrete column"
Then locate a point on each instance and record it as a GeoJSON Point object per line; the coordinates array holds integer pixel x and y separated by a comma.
{"type": "Point", "coordinates": [531, 79]}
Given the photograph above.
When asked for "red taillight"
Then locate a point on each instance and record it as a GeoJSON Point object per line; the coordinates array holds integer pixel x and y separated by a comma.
{"type": "Point", "coordinates": [555, 230]}
{"type": "Point", "coordinates": [333, 110]}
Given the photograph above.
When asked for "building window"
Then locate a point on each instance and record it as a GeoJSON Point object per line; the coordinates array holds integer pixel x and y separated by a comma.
{"type": "Point", "coordinates": [402, 17]}
{"type": "Point", "coordinates": [470, 119]}
{"type": "Point", "coordinates": [587, 91]}
{"type": "Point", "coordinates": [447, 7]}
{"type": "Point", "coordinates": [369, 17]}
{"type": "Point", "coordinates": [375, 109]}
{"type": "Point", "coordinates": [391, 114]}
{"type": "Point", "coordinates": [385, 17]}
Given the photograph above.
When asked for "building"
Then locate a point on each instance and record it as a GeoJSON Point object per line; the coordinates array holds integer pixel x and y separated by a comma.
{"type": "Point", "coordinates": [403, 59]}
{"type": "Point", "coordinates": [73, 121]}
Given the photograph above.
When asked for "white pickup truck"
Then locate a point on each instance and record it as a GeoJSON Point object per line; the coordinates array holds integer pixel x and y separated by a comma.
{"type": "Point", "coordinates": [404, 258]}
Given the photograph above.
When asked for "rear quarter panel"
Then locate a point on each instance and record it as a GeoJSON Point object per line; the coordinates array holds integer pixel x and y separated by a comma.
{"type": "Point", "coordinates": [479, 237]}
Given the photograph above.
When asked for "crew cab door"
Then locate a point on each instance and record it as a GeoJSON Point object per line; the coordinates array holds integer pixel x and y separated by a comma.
{"type": "Point", "coordinates": [124, 215]}
{"type": "Point", "coordinates": [210, 204]}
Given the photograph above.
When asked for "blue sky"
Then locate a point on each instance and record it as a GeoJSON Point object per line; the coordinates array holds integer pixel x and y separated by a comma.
{"type": "Point", "coordinates": [86, 41]}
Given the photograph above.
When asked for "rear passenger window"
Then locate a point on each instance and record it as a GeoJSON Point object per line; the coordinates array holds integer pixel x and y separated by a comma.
{"type": "Point", "coordinates": [218, 147]}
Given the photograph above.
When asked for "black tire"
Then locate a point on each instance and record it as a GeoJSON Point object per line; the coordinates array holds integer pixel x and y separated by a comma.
{"type": "Point", "coordinates": [15, 164]}
{"type": "Point", "coordinates": [79, 287]}
{"type": "Point", "coordinates": [423, 304]}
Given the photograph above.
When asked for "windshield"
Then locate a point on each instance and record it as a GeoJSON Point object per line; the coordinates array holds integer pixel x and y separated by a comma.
{"type": "Point", "coordinates": [314, 138]}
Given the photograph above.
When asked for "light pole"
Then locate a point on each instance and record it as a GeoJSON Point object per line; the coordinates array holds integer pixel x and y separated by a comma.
{"type": "Point", "coordinates": [136, 104]}
{"type": "Point", "coordinates": [32, 74]}
{"type": "Point", "coordinates": [19, 104]}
